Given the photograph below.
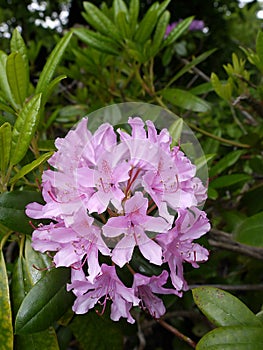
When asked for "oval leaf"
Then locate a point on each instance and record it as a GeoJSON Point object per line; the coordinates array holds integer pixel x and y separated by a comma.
{"type": "Point", "coordinates": [6, 329]}
{"type": "Point", "coordinates": [185, 99]}
{"type": "Point", "coordinates": [24, 129]}
{"type": "Point", "coordinates": [223, 309]}
{"type": "Point", "coordinates": [250, 231]}
{"type": "Point", "coordinates": [229, 180]}
{"type": "Point", "coordinates": [12, 209]}
{"type": "Point", "coordinates": [232, 338]}
{"type": "Point", "coordinates": [46, 302]}
{"type": "Point", "coordinates": [5, 146]}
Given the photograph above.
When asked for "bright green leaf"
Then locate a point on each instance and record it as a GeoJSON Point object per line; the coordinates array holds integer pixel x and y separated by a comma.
{"type": "Point", "coordinates": [46, 302]}
{"type": "Point", "coordinates": [160, 32]}
{"type": "Point", "coordinates": [178, 31]}
{"type": "Point", "coordinates": [185, 99]}
{"type": "Point", "coordinates": [17, 76]}
{"type": "Point", "coordinates": [5, 146]}
{"type": "Point", "coordinates": [250, 231]}
{"type": "Point", "coordinates": [29, 167]}
{"type": "Point", "coordinates": [147, 24]}
{"type": "Point", "coordinates": [97, 41]}
{"type": "Point", "coordinates": [224, 90]}
{"type": "Point", "coordinates": [24, 129]}
{"type": "Point", "coordinates": [12, 209]}
{"type": "Point", "coordinates": [52, 64]}
{"type": "Point", "coordinates": [6, 328]}
{"type": "Point", "coordinates": [229, 180]}
{"type": "Point", "coordinates": [133, 14]}
{"type": "Point", "coordinates": [175, 131]}
{"type": "Point", "coordinates": [232, 338]}
{"type": "Point", "coordinates": [225, 162]}
{"type": "Point", "coordinates": [224, 309]}
{"type": "Point", "coordinates": [4, 85]}
{"type": "Point", "coordinates": [98, 20]}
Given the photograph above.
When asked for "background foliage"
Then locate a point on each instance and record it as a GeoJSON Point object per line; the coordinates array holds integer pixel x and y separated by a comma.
{"type": "Point", "coordinates": [110, 53]}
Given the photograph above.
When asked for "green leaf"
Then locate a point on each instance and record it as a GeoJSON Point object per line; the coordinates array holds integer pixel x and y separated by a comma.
{"type": "Point", "coordinates": [229, 180]}
{"type": "Point", "coordinates": [52, 64]}
{"type": "Point", "coordinates": [250, 231]}
{"type": "Point", "coordinates": [12, 209]}
{"type": "Point", "coordinates": [31, 166]}
{"type": "Point", "coordinates": [175, 131]}
{"type": "Point", "coordinates": [17, 76]}
{"type": "Point", "coordinates": [4, 85]}
{"type": "Point", "coordinates": [98, 20]}
{"type": "Point", "coordinates": [178, 31]}
{"type": "Point", "coordinates": [96, 332]}
{"type": "Point", "coordinates": [97, 41]}
{"type": "Point", "coordinates": [6, 329]}
{"type": "Point", "coordinates": [185, 99]}
{"type": "Point", "coordinates": [118, 7]}
{"type": "Point", "coordinates": [133, 14]}
{"type": "Point", "coordinates": [52, 85]}
{"type": "Point", "coordinates": [24, 129]}
{"type": "Point", "coordinates": [259, 46]}
{"type": "Point", "coordinates": [224, 90]}
{"type": "Point", "coordinates": [41, 340]}
{"type": "Point", "coordinates": [5, 146]}
{"type": "Point", "coordinates": [160, 32]}
{"type": "Point", "coordinates": [190, 65]}
{"type": "Point", "coordinates": [123, 25]}
{"type": "Point", "coordinates": [147, 24]}
{"type": "Point", "coordinates": [232, 338]}
{"type": "Point", "coordinates": [46, 302]}
{"type": "Point", "coordinates": [37, 263]}
{"type": "Point", "coordinates": [225, 162]}
{"type": "Point", "coordinates": [21, 285]}
{"type": "Point", "coordinates": [224, 309]}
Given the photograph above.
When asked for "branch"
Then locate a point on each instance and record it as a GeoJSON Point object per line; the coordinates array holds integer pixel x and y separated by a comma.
{"type": "Point", "coordinates": [224, 240]}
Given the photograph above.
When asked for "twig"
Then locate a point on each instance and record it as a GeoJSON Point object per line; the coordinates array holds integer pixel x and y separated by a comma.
{"type": "Point", "coordinates": [224, 240]}
{"type": "Point", "coordinates": [177, 333]}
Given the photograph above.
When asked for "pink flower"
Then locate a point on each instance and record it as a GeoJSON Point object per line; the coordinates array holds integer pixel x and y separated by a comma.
{"type": "Point", "coordinates": [178, 246]}
{"type": "Point", "coordinates": [145, 287]}
{"type": "Point", "coordinates": [106, 286]}
{"type": "Point", "coordinates": [133, 225]}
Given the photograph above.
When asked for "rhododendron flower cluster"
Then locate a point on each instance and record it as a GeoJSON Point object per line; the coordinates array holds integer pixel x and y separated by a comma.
{"type": "Point", "coordinates": [115, 195]}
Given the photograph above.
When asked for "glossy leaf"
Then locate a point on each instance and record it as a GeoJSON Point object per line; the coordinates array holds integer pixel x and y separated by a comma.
{"type": "Point", "coordinates": [12, 209]}
{"type": "Point", "coordinates": [17, 76]}
{"type": "Point", "coordinates": [98, 20]}
{"type": "Point", "coordinates": [224, 309]}
{"type": "Point", "coordinates": [225, 162]}
{"type": "Point", "coordinates": [52, 64]}
{"type": "Point", "coordinates": [224, 90]}
{"type": "Point", "coordinates": [46, 302]}
{"type": "Point", "coordinates": [185, 99]}
{"type": "Point", "coordinates": [37, 263]}
{"type": "Point", "coordinates": [229, 180]}
{"type": "Point", "coordinates": [118, 7]}
{"type": "Point", "coordinates": [5, 146]}
{"type": "Point", "coordinates": [147, 25]}
{"type": "Point", "coordinates": [250, 231]}
{"type": "Point", "coordinates": [96, 332]}
{"type": "Point", "coordinates": [6, 328]}
{"type": "Point", "coordinates": [21, 284]}
{"type": "Point", "coordinates": [97, 41]}
{"type": "Point", "coordinates": [24, 129]}
{"type": "Point", "coordinates": [29, 167]}
{"type": "Point", "coordinates": [133, 14]}
{"type": "Point", "coordinates": [175, 131]}
{"type": "Point", "coordinates": [178, 31]}
{"type": "Point", "coordinates": [160, 32]}
{"type": "Point", "coordinates": [4, 85]}
{"type": "Point", "coordinates": [232, 338]}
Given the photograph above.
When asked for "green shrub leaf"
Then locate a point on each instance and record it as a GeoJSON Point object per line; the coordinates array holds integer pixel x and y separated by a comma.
{"type": "Point", "coordinates": [46, 302]}
{"type": "Point", "coordinates": [250, 231]}
{"type": "Point", "coordinates": [224, 309]}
